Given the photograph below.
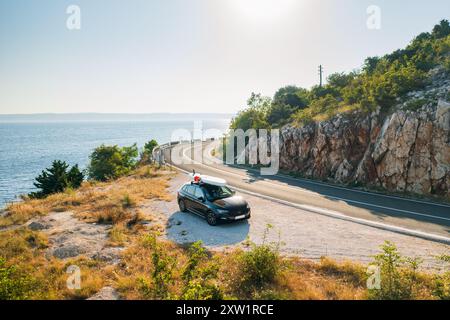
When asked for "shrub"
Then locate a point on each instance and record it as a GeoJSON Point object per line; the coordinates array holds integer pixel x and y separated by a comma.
{"type": "Point", "coordinates": [162, 275]}
{"type": "Point", "coordinates": [198, 276]}
{"type": "Point", "coordinates": [399, 280]}
{"type": "Point", "coordinates": [111, 162]}
{"type": "Point", "coordinates": [260, 265]}
{"type": "Point", "coordinates": [56, 179]}
{"type": "Point", "coordinates": [415, 104]}
{"type": "Point", "coordinates": [442, 281]}
{"type": "Point", "coordinates": [13, 285]}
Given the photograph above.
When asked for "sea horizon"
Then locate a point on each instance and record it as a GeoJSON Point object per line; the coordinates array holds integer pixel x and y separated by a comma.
{"type": "Point", "coordinates": [99, 116]}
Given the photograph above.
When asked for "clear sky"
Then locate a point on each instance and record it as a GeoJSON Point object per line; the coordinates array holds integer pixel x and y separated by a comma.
{"type": "Point", "coordinates": [144, 56]}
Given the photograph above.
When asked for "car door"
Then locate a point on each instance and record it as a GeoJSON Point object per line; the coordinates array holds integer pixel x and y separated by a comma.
{"type": "Point", "coordinates": [189, 197]}
{"type": "Point", "coordinates": [199, 205]}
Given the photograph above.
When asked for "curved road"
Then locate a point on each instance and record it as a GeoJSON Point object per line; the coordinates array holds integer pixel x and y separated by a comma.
{"type": "Point", "coordinates": [422, 216]}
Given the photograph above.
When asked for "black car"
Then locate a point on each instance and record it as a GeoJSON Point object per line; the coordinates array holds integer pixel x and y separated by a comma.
{"type": "Point", "coordinates": [213, 202]}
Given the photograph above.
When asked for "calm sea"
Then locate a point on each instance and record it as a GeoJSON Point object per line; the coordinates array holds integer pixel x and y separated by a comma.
{"type": "Point", "coordinates": [28, 144]}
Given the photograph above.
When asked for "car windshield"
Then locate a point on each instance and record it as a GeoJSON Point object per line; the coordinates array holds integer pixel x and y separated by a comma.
{"type": "Point", "coordinates": [216, 192]}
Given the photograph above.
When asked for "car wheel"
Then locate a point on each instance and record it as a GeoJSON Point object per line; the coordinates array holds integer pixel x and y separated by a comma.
{"type": "Point", "coordinates": [211, 219]}
{"type": "Point", "coordinates": [182, 205]}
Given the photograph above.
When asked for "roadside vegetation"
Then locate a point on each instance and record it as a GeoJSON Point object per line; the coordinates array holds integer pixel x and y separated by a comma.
{"type": "Point", "coordinates": [382, 82]}
{"type": "Point", "coordinates": [153, 268]}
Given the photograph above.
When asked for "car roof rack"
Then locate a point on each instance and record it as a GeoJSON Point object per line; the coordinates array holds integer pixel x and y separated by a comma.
{"type": "Point", "coordinates": [203, 179]}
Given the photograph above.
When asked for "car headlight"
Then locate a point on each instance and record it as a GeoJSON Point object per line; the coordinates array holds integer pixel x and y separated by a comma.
{"type": "Point", "coordinates": [221, 211]}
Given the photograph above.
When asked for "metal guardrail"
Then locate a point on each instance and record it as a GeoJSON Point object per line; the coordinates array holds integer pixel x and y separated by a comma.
{"type": "Point", "coordinates": [158, 152]}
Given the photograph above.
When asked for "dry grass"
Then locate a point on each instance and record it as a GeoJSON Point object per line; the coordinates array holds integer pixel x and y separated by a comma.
{"type": "Point", "coordinates": [26, 250]}
{"type": "Point", "coordinates": [326, 280]}
{"type": "Point", "coordinates": [107, 202]}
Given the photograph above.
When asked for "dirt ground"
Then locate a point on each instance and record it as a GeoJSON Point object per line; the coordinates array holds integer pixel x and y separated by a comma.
{"type": "Point", "coordinates": [301, 232]}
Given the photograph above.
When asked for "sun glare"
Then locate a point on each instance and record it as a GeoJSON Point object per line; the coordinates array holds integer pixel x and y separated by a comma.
{"type": "Point", "coordinates": [263, 10]}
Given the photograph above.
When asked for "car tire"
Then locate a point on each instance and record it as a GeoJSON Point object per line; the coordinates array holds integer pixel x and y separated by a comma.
{"type": "Point", "coordinates": [211, 219]}
{"type": "Point", "coordinates": [182, 205]}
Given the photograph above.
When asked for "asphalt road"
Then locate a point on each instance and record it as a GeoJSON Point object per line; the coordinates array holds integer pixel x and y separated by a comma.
{"type": "Point", "coordinates": [433, 218]}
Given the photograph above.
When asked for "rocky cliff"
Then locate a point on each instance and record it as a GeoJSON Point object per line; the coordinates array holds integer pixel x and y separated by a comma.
{"type": "Point", "coordinates": [405, 150]}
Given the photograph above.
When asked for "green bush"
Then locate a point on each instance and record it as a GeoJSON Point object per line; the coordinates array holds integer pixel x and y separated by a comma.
{"type": "Point", "coordinates": [199, 275]}
{"type": "Point", "coordinates": [415, 104]}
{"type": "Point", "coordinates": [111, 162]}
{"type": "Point", "coordinates": [13, 285]}
{"type": "Point", "coordinates": [442, 281]}
{"type": "Point", "coordinates": [399, 279]}
{"type": "Point", "coordinates": [260, 265]}
{"type": "Point", "coordinates": [162, 275]}
{"type": "Point", "coordinates": [56, 179]}
{"type": "Point", "coordinates": [198, 290]}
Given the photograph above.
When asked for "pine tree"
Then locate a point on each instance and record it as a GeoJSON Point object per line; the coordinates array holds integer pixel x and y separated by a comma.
{"type": "Point", "coordinates": [75, 177]}
{"type": "Point", "coordinates": [56, 179]}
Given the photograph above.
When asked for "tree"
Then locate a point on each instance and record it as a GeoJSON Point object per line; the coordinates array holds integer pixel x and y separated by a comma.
{"type": "Point", "coordinates": [292, 96]}
{"type": "Point", "coordinates": [286, 101]}
{"type": "Point", "coordinates": [111, 162]}
{"type": "Point", "coordinates": [441, 30]}
{"type": "Point", "coordinates": [370, 64]}
{"type": "Point", "coordinates": [280, 114]}
{"type": "Point", "coordinates": [254, 116]}
{"type": "Point", "coordinates": [75, 177]}
{"type": "Point", "coordinates": [56, 179]}
{"type": "Point", "coordinates": [340, 80]}
{"type": "Point", "coordinates": [149, 146]}
{"type": "Point", "coordinates": [146, 155]}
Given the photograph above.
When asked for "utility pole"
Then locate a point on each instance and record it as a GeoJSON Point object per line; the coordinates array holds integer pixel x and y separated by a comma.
{"type": "Point", "coordinates": [320, 75]}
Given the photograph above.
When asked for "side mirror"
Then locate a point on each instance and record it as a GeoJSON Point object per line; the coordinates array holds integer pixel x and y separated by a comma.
{"type": "Point", "coordinates": [201, 199]}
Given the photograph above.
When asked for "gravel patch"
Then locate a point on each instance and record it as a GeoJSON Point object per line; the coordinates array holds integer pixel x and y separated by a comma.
{"type": "Point", "coordinates": [69, 237]}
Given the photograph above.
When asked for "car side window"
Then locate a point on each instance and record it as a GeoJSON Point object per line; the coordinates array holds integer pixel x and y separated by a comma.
{"type": "Point", "coordinates": [198, 193]}
{"type": "Point", "coordinates": [190, 190]}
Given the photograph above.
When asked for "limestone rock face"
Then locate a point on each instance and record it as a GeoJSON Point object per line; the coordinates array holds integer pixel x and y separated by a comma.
{"type": "Point", "coordinates": [406, 151]}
